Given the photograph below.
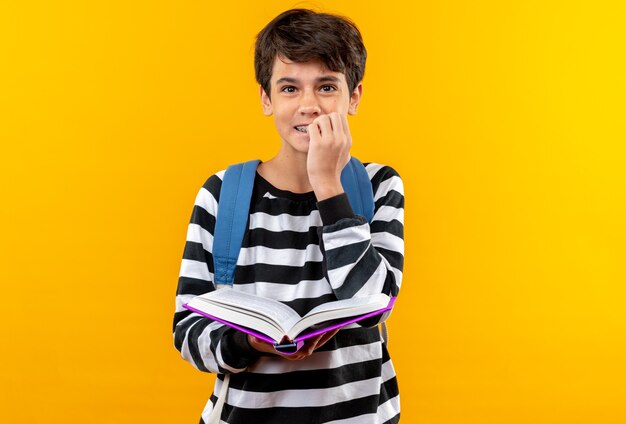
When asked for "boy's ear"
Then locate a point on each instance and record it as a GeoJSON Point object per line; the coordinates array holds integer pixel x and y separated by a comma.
{"type": "Point", "coordinates": [355, 98]}
{"type": "Point", "coordinates": [266, 103]}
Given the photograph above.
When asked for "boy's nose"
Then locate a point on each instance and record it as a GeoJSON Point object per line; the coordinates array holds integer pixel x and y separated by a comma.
{"type": "Point", "coordinates": [309, 105]}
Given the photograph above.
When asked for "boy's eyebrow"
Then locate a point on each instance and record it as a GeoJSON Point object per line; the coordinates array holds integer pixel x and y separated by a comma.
{"type": "Point", "coordinates": [325, 78]}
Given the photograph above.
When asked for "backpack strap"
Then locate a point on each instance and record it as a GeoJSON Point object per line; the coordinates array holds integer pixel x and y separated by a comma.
{"type": "Point", "coordinates": [384, 333]}
{"type": "Point", "coordinates": [231, 219]}
{"type": "Point", "coordinates": [357, 185]}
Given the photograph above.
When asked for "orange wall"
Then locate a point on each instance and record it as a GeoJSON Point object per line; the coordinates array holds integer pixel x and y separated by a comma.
{"type": "Point", "coordinates": [506, 122]}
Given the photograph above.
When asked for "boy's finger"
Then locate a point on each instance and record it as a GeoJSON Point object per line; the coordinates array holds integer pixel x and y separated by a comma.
{"type": "Point", "coordinates": [327, 336]}
{"type": "Point", "coordinates": [315, 343]}
{"type": "Point", "coordinates": [310, 345]}
{"type": "Point", "coordinates": [313, 131]}
{"type": "Point", "coordinates": [337, 124]}
{"type": "Point", "coordinates": [346, 127]}
{"type": "Point", "coordinates": [323, 123]}
{"type": "Point", "coordinates": [294, 357]}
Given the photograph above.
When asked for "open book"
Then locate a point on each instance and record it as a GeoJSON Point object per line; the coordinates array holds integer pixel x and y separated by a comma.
{"type": "Point", "coordinates": [277, 323]}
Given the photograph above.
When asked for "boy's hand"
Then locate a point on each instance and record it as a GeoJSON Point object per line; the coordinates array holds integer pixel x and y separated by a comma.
{"type": "Point", "coordinates": [329, 152]}
{"type": "Point", "coordinates": [309, 346]}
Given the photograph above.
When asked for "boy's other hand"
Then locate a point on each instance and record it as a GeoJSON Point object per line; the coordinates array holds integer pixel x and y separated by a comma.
{"type": "Point", "coordinates": [329, 151]}
{"type": "Point", "coordinates": [309, 347]}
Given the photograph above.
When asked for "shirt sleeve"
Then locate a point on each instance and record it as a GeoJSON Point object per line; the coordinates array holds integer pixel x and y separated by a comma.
{"type": "Point", "coordinates": [361, 258]}
{"type": "Point", "coordinates": [207, 344]}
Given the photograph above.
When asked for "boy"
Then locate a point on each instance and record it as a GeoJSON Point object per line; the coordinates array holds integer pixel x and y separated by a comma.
{"type": "Point", "coordinates": [303, 245]}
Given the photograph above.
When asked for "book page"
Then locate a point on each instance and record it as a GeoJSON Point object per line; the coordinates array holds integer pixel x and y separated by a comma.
{"type": "Point", "coordinates": [378, 301]}
{"type": "Point", "coordinates": [250, 324]}
{"type": "Point", "coordinates": [340, 309]}
{"type": "Point", "coordinates": [249, 304]}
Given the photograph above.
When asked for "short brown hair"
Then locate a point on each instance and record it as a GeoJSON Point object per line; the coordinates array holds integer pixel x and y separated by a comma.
{"type": "Point", "coordinates": [301, 35]}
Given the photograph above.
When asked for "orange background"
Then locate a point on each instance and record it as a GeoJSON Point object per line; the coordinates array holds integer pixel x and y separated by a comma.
{"type": "Point", "coordinates": [505, 120]}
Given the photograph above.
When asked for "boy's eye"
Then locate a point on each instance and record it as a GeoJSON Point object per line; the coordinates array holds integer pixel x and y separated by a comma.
{"type": "Point", "coordinates": [288, 89]}
{"type": "Point", "coordinates": [328, 88]}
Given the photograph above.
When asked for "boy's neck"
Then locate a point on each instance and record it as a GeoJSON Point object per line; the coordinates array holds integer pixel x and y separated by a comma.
{"type": "Point", "coordinates": [287, 171]}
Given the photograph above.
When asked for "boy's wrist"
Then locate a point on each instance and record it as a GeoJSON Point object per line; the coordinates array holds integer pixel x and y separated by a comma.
{"type": "Point", "coordinates": [335, 208]}
{"type": "Point", "coordinates": [239, 346]}
{"type": "Point", "coordinates": [328, 191]}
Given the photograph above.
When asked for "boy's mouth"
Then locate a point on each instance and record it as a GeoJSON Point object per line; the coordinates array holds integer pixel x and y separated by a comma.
{"type": "Point", "coordinates": [301, 128]}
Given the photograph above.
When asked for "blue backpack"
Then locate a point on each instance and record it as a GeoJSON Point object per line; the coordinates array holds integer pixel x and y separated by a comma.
{"type": "Point", "coordinates": [234, 207]}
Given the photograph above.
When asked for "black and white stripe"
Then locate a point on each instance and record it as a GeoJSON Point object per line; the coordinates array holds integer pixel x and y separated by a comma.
{"type": "Point", "coordinates": [288, 254]}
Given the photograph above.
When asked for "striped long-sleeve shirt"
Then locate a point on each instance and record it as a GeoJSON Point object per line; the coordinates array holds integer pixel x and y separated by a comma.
{"type": "Point", "coordinates": [302, 253]}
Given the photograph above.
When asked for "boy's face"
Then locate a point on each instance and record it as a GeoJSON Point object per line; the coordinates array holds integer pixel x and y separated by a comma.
{"type": "Point", "coordinates": [301, 92]}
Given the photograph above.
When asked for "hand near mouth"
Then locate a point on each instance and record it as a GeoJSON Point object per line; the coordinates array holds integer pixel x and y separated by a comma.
{"type": "Point", "coordinates": [329, 152]}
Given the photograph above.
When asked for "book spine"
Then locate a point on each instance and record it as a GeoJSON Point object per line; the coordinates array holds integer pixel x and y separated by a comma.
{"type": "Point", "coordinates": [289, 348]}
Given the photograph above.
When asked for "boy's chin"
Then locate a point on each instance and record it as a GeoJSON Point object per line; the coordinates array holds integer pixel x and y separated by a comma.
{"type": "Point", "coordinates": [298, 146]}
{"type": "Point", "coordinates": [302, 150]}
